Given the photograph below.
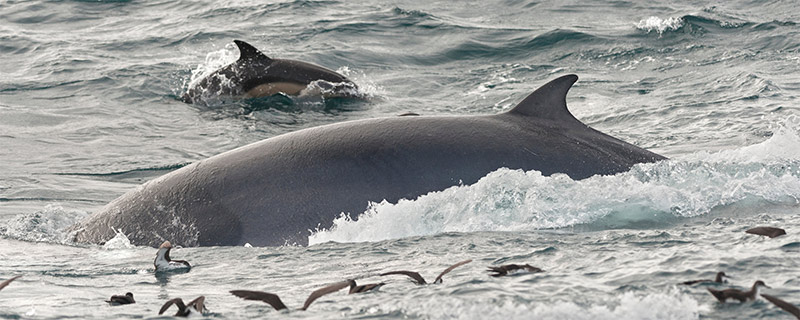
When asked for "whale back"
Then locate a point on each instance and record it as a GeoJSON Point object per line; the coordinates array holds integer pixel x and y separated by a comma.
{"type": "Point", "coordinates": [272, 192]}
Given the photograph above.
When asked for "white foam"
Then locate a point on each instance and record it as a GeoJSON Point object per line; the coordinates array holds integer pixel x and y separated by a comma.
{"type": "Point", "coordinates": [660, 25]}
{"type": "Point", "coordinates": [214, 60]}
{"type": "Point", "coordinates": [629, 305]}
{"type": "Point", "coordinates": [47, 225]}
{"type": "Point", "coordinates": [120, 241]}
{"type": "Point", "coordinates": [367, 88]}
{"type": "Point", "coordinates": [513, 200]}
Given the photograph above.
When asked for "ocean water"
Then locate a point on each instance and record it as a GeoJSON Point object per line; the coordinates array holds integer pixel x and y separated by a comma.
{"type": "Point", "coordinates": [89, 109]}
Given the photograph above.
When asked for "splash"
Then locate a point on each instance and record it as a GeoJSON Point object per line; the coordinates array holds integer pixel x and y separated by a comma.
{"type": "Point", "coordinates": [47, 225]}
{"type": "Point", "coordinates": [223, 94]}
{"type": "Point", "coordinates": [214, 60]}
{"type": "Point", "coordinates": [660, 25]}
{"type": "Point", "coordinates": [120, 241]}
{"type": "Point", "coordinates": [648, 194]}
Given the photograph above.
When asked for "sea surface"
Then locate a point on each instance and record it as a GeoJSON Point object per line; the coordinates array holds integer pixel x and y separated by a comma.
{"type": "Point", "coordinates": [89, 109]}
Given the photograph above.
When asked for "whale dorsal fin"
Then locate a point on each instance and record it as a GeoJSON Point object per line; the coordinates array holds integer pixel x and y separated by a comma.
{"type": "Point", "coordinates": [249, 52]}
{"type": "Point", "coordinates": [549, 101]}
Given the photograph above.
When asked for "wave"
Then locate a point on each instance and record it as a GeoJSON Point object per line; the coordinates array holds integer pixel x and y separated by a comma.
{"type": "Point", "coordinates": [660, 25]}
{"type": "Point", "coordinates": [628, 305]}
{"type": "Point", "coordinates": [649, 195]}
{"type": "Point", "coordinates": [691, 24]}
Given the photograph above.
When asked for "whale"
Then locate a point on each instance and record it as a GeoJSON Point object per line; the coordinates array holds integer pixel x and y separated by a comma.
{"type": "Point", "coordinates": [274, 191]}
{"type": "Point", "coordinates": [256, 75]}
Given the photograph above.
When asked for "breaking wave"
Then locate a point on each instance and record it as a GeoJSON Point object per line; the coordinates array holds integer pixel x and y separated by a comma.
{"type": "Point", "coordinates": [648, 195]}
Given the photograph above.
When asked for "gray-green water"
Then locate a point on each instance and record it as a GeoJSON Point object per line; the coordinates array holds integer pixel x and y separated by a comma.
{"type": "Point", "coordinates": [89, 109]}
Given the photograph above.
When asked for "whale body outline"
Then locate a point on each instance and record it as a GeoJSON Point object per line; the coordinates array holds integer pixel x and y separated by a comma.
{"type": "Point", "coordinates": [273, 192]}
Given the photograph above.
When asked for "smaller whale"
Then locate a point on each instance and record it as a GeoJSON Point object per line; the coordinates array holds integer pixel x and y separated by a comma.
{"type": "Point", "coordinates": [717, 279]}
{"type": "Point", "coordinates": [256, 75]}
{"type": "Point", "coordinates": [788, 307]}
{"type": "Point", "coordinates": [418, 279]}
{"type": "Point", "coordinates": [184, 310]}
{"type": "Point", "coordinates": [507, 269]}
{"type": "Point", "coordinates": [275, 301]}
{"type": "Point", "coordinates": [736, 294]}
{"type": "Point", "coordinates": [164, 263]}
{"type": "Point", "coordinates": [767, 231]}
{"type": "Point", "coordinates": [117, 300]}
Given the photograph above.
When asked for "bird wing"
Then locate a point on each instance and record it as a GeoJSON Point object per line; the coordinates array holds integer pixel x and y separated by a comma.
{"type": "Point", "coordinates": [771, 232]}
{"type": "Point", "coordinates": [367, 287]}
{"type": "Point", "coordinates": [177, 301]}
{"type": "Point", "coordinates": [270, 298]}
{"type": "Point", "coordinates": [184, 262]}
{"type": "Point", "coordinates": [198, 303]}
{"type": "Point", "coordinates": [323, 291]}
{"type": "Point", "coordinates": [414, 275]}
{"type": "Point", "coordinates": [691, 282]}
{"type": "Point", "coordinates": [439, 278]}
{"type": "Point", "coordinates": [5, 283]}
{"type": "Point", "coordinates": [788, 307]}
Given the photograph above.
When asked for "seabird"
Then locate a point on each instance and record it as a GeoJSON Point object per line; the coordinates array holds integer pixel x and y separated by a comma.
{"type": "Point", "coordinates": [164, 263]}
{"type": "Point", "coordinates": [117, 300]}
{"type": "Point", "coordinates": [5, 283]}
{"type": "Point", "coordinates": [788, 307]}
{"type": "Point", "coordinates": [355, 288]}
{"type": "Point", "coordinates": [185, 309]}
{"type": "Point", "coordinates": [504, 270]}
{"type": "Point", "coordinates": [718, 279]}
{"type": "Point", "coordinates": [275, 301]}
{"type": "Point", "coordinates": [418, 278]}
{"type": "Point", "coordinates": [767, 231]}
{"type": "Point", "coordinates": [737, 294]}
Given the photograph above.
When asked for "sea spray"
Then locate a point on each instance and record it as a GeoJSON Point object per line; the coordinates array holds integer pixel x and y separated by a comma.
{"type": "Point", "coordinates": [514, 200]}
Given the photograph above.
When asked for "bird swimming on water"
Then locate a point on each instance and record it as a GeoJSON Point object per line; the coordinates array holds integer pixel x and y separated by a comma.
{"type": "Point", "coordinates": [767, 231]}
{"type": "Point", "coordinates": [717, 279]}
{"type": "Point", "coordinates": [198, 304]}
{"type": "Point", "coordinates": [506, 269]}
{"type": "Point", "coordinates": [418, 279]}
{"type": "Point", "coordinates": [163, 261]}
{"type": "Point", "coordinates": [355, 288]}
{"type": "Point", "coordinates": [117, 300]}
{"type": "Point", "coordinates": [736, 294]}
{"type": "Point", "coordinates": [275, 301]}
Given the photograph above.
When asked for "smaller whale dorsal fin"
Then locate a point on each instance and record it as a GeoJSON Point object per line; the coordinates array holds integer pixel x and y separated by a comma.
{"type": "Point", "coordinates": [249, 52]}
{"type": "Point", "coordinates": [549, 101]}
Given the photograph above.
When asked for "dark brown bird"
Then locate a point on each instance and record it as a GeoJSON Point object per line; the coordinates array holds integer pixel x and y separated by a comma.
{"type": "Point", "coordinates": [767, 231]}
{"type": "Point", "coordinates": [185, 309]}
{"type": "Point", "coordinates": [117, 300]}
{"type": "Point", "coordinates": [788, 307]}
{"type": "Point", "coordinates": [355, 288]}
{"type": "Point", "coordinates": [5, 283]}
{"type": "Point", "coordinates": [737, 294]}
{"type": "Point", "coordinates": [504, 270]}
{"type": "Point", "coordinates": [417, 278]}
{"type": "Point", "coordinates": [275, 301]}
{"type": "Point", "coordinates": [718, 279]}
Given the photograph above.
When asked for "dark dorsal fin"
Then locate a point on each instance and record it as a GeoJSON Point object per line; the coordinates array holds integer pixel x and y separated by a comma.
{"type": "Point", "coordinates": [549, 101]}
{"type": "Point", "coordinates": [249, 52]}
